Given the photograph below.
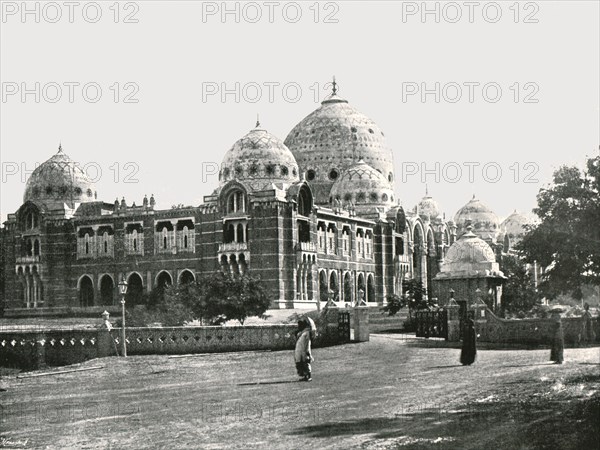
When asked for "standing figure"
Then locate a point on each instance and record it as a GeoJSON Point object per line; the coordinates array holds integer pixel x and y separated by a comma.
{"type": "Point", "coordinates": [469, 346]}
{"type": "Point", "coordinates": [587, 327]}
{"type": "Point", "coordinates": [558, 342]}
{"type": "Point", "coordinates": [302, 353]}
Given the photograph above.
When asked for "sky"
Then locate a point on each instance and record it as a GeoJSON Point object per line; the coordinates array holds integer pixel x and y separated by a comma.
{"type": "Point", "coordinates": [148, 96]}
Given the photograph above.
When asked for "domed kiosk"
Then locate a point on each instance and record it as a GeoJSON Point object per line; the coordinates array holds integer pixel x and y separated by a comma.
{"type": "Point", "coordinates": [470, 264]}
{"type": "Point", "coordinates": [58, 182]}
{"type": "Point", "coordinates": [484, 221]}
{"type": "Point", "coordinates": [334, 138]}
{"type": "Point", "coordinates": [363, 189]}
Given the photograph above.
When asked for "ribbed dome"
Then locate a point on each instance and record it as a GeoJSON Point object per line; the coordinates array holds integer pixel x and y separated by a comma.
{"type": "Point", "coordinates": [333, 138]}
{"type": "Point", "coordinates": [469, 256]}
{"type": "Point", "coordinates": [363, 187]}
{"type": "Point", "coordinates": [485, 223]}
{"type": "Point", "coordinates": [513, 225]}
{"type": "Point", "coordinates": [57, 181]}
{"type": "Point", "coordinates": [259, 159]}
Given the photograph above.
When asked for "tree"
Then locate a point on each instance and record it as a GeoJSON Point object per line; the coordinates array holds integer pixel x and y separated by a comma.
{"type": "Point", "coordinates": [518, 292]}
{"type": "Point", "coordinates": [231, 297]}
{"type": "Point", "coordinates": [414, 298]}
{"type": "Point", "coordinates": [566, 242]}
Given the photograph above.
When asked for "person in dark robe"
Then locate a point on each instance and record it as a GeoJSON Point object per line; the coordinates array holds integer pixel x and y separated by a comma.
{"type": "Point", "coordinates": [469, 346]}
{"type": "Point", "coordinates": [558, 342]}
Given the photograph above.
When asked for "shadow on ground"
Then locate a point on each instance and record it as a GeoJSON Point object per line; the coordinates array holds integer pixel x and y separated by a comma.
{"type": "Point", "coordinates": [490, 423]}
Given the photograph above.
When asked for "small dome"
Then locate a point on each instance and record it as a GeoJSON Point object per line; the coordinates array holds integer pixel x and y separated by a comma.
{"type": "Point", "coordinates": [365, 188]}
{"type": "Point", "coordinates": [428, 207]}
{"type": "Point", "coordinates": [57, 181]}
{"type": "Point", "coordinates": [484, 221]}
{"type": "Point", "coordinates": [259, 159]}
{"type": "Point", "coordinates": [330, 140]}
{"type": "Point", "coordinates": [470, 256]}
{"type": "Point", "coordinates": [514, 225]}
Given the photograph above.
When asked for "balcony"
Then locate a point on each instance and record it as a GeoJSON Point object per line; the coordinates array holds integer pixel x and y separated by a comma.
{"type": "Point", "coordinates": [233, 247]}
{"type": "Point", "coordinates": [306, 247]}
{"type": "Point", "coordinates": [28, 259]}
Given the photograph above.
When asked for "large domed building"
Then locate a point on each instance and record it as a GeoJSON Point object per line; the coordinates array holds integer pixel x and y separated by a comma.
{"type": "Point", "coordinates": [315, 216]}
{"type": "Point", "coordinates": [59, 181]}
{"type": "Point", "coordinates": [332, 139]}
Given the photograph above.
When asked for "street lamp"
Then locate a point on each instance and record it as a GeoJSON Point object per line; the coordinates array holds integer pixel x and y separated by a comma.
{"type": "Point", "coordinates": [123, 291]}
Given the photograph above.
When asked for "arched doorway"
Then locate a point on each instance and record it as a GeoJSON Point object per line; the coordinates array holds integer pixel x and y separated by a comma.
{"type": "Point", "coordinates": [348, 297]}
{"type": "Point", "coordinates": [186, 277]}
{"type": "Point", "coordinates": [86, 292]}
{"type": "Point", "coordinates": [371, 288]}
{"type": "Point", "coordinates": [135, 290]}
{"type": "Point", "coordinates": [418, 251]}
{"type": "Point", "coordinates": [323, 286]}
{"type": "Point", "coordinates": [163, 280]}
{"type": "Point", "coordinates": [361, 286]}
{"type": "Point", "coordinates": [107, 289]}
{"type": "Point", "coordinates": [333, 285]}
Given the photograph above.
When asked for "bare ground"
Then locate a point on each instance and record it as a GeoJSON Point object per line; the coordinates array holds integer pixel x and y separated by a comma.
{"type": "Point", "coordinates": [387, 393]}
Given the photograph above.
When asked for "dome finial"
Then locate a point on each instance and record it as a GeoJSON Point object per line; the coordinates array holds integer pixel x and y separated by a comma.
{"type": "Point", "coordinates": [257, 120]}
{"type": "Point", "coordinates": [60, 147]}
{"type": "Point", "coordinates": [426, 190]}
{"type": "Point", "coordinates": [334, 87]}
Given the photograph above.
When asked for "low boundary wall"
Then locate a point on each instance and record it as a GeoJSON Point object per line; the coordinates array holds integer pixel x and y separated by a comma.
{"type": "Point", "coordinates": [33, 349]}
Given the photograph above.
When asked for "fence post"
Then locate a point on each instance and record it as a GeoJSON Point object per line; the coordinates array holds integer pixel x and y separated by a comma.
{"type": "Point", "coordinates": [453, 321]}
{"type": "Point", "coordinates": [361, 323]}
{"type": "Point", "coordinates": [40, 351]}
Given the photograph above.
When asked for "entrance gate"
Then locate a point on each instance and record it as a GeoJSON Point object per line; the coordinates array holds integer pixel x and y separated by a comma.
{"type": "Point", "coordinates": [344, 326]}
{"type": "Point", "coordinates": [432, 323]}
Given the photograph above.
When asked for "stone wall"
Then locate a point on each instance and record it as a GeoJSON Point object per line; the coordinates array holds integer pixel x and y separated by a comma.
{"type": "Point", "coordinates": [529, 331]}
{"type": "Point", "coordinates": [518, 331]}
{"type": "Point", "coordinates": [36, 349]}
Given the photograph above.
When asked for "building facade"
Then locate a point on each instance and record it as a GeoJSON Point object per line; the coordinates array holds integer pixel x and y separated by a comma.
{"type": "Point", "coordinates": [313, 216]}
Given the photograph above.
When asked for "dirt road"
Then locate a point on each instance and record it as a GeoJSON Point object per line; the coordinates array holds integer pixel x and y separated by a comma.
{"type": "Point", "coordinates": [387, 393]}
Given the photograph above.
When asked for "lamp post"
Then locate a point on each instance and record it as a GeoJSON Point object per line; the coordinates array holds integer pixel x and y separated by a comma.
{"type": "Point", "coordinates": [123, 291]}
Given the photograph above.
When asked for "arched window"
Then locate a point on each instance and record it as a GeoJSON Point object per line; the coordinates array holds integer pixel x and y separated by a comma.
{"type": "Point", "coordinates": [164, 237]}
{"type": "Point", "coordinates": [105, 239]}
{"type": "Point", "coordinates": [236, 202]}
{"type": "Point", "coordinates": [36, 248]}
{"type": "Point", "coordinates": [240, 233]}
{"type": "Point", "coordinates": [87, 243]}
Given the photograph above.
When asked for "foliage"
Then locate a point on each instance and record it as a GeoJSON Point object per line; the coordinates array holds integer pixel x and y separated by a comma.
{"type": "Point", "coordinates": [212, 300]}
{"type": "Point", "coordinates": [566, 242]}
{"type": "Point", "coordinates": [231, 297]}
{"type": "Point", "coordinates": [394, 304]}
{"type": "Point", "coordinates": [518, 292]}
{"type": "Point", "coordinates": [414, 298]}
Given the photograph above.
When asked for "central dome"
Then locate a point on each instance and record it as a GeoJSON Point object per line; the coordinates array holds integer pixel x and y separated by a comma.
{"type": "Point", "coordinates": [331, 139]}
{"type": "Point", "coordinates": [59, 181]}
{"type": "Point", "coordinates": [259, 159]}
